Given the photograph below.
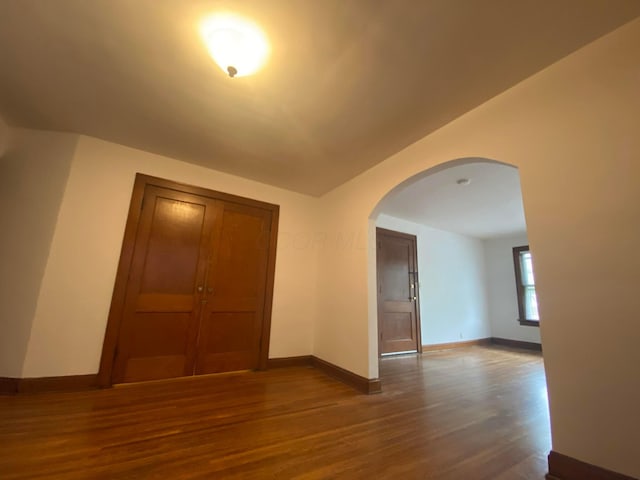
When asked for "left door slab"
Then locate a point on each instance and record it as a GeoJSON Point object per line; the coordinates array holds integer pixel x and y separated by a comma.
{"type": "Point", "coordinates": [157, 337]}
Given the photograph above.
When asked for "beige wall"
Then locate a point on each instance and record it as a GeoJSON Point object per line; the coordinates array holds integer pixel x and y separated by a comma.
{"type": "Point", "coordinates": [70, 319]}
{"type": "Point", "coordinates": [572, 130]}
{"type": "Point", "coordinates": [33, 175]}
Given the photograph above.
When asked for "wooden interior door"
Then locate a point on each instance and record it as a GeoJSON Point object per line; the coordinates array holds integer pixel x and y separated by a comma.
{"type": "Point", "coordinates": [231, 327]}
{"type": "Point", "coordinates": [397, 273]}
{"type": "Point", "coordinates": [159, 325]}
{"type": "Point", "coordinates": [194, 285]}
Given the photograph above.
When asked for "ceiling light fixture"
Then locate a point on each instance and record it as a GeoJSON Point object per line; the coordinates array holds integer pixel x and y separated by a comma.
{"type": "Point", "coordinates": [237, 45]}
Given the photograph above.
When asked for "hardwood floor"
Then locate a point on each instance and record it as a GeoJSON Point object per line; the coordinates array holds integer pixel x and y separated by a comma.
{"type": "Point", "coordinates": [471, 413]}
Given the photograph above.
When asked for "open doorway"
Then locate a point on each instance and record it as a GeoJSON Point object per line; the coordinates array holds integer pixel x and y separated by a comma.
{"type": "Point", "coordinates": [480, 373]}
{"type": "Point", "coordinates": [468, 220]}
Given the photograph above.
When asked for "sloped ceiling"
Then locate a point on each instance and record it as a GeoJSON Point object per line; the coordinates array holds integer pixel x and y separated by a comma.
{"type": "Point", "coordinates": [349, 82]}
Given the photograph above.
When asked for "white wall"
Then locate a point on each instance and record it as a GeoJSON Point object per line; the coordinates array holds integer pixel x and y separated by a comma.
{"type": "Point", "coordinates": [451, 268]}
{"type": "Point", "coordinates": [70, 319]}
{"type": "Point", "coordinates": [33, 175]}
{"type": "Point", "coordinates": [572, 130]}
{"type": "Point", "coordinates": [501, 289]}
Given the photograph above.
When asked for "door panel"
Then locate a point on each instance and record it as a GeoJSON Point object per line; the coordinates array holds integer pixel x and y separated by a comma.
{"type": "Point", "coordinates": [398, 323]}
{"type": "Point", "coordinates": [172, 249]}
{"type": "Point", "coordinates": [230, 343]}
{"type": "Point", "coordinates": [160, 318]}
{"type": "Point", "coordinates": [399, 326]}
{"type": "Point", "coordinates": [231, 326]}
{"type": "Point", "coordinates": [153, 368]}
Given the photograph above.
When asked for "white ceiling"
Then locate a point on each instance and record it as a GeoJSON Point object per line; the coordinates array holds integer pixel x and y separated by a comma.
{"type": "Point", "coordinates": [490, 206]}
{"type": "Point", "coordinates": [349, 82]}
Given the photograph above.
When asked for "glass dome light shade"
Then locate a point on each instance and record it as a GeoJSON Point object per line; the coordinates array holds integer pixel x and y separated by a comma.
{"type": "Point", "coordinates": [235, 42]}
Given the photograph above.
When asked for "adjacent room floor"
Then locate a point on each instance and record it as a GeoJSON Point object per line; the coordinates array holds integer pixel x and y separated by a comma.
{"type": "Point", "coordinates": [470, 413]}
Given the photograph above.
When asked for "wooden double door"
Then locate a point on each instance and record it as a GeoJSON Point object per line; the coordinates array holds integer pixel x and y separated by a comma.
{"type": "Point", "coordinates": [194, 287]}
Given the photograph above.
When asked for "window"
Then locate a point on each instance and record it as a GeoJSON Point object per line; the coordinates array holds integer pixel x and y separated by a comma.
{"type": "Point", "coordinates": [526, 287]}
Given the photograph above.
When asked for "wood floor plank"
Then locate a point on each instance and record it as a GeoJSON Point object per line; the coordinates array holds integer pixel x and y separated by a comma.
{"type": "Point", "coordinates": [470, 413]}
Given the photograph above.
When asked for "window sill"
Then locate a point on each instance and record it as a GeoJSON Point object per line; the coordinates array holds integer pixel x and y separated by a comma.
{"type": "Point", "coordinates": [529, 323]}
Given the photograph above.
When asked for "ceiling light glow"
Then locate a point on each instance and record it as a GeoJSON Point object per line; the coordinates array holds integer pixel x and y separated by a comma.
{"type": "Point", "coordinates": [237, 45]}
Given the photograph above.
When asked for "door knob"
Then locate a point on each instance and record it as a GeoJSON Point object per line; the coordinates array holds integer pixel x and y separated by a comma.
{"type": "Point", "coordinates": [209, 290]}
{"type": "Point", "coordinates": [200, 288]}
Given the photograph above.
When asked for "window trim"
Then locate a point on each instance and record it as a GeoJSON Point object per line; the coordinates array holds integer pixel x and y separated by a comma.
{"type": "Point", "coordinates": [520, 288]}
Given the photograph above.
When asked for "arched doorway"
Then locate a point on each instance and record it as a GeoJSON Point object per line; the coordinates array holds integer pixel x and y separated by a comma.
{"type": "Point", "coordinates": [467, 216]}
